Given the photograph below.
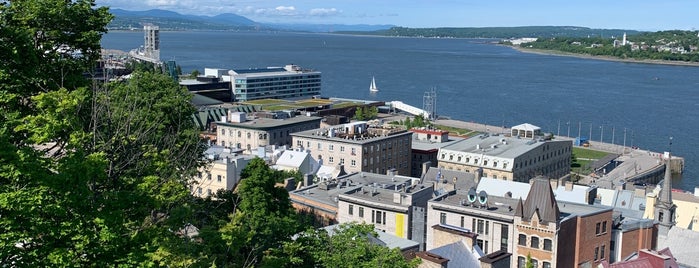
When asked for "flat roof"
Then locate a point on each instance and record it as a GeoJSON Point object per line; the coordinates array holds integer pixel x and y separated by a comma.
{"type": "Point", "coordinates": [383, 194]}
{"type": "Point", "coordinates": [268, 123]}
{"type": "Point", "coordinates": [347, 183]}
{"type": "Point", "coordinates": [574, 209]}
{"type": "Point", "coordinates": [496, 204]}
{"type": "Point", "coordinates": [271, 71]}
{"type": "Point", "coordinates": [318, 134]}
{"type": "Point", "coordinates": [424, 145]}
{"type": "Point", "coordinates": [496, 145]}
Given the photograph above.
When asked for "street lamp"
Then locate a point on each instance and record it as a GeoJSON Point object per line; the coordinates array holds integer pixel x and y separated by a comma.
{"type": "Point", "coordinates": [601, 135]}
{"type": "Point", "coordinates": [568, 123]}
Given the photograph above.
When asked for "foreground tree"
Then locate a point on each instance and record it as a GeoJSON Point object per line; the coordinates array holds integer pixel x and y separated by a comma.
{"type": "Point", "coordinates": [350, 246]}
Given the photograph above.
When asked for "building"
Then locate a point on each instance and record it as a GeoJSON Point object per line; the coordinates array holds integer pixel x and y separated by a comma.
{"type": "Point", "coordinates": [397, 207]}
{"type": "Point", "coordinates": [425, 146]}
{"type": "Point", "coordinates": [300, 161]}
{"type": "Point", "coordinates": [490, 218]}
{"type": "Point", "coordinates": [288, 82]}
{"type": "Point", "coordinates": [236, 130]}
{"type": "Point", "coordinates": [646, 258]}
{"type": "Point", "coordinates": [221, 172]}
{"type": "Point", "coordinates": [359, 146]}
{"type": "Point", "coordinates": [560, 234]}
{"type": "Point", "coordinates": [509, 158]}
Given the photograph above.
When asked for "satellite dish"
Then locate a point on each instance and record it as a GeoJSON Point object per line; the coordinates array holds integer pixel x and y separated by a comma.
{"type": "Point", "coordinates": [472, 195]}
{"type": "Point", "coordinates": [482, 197]}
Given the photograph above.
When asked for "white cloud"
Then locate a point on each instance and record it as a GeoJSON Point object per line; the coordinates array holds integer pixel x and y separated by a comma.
{"type": "Point", "coordinates": [323, 12]}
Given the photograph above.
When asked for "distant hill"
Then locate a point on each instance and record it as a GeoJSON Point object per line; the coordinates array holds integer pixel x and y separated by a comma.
{"type": "Point", "coordinates": [330, 28]}
{"type": "Point", "coordinates": [168, 20]}
{"type": "Point", "coordinates": [502, 32]}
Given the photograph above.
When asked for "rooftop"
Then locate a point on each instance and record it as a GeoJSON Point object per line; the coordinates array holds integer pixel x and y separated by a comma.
{"type": "Point", "coordinates": [268, 123]}
{"type": "Point", "coordinates": [462, 201]}
{"type": "Point", "coordinates": [383, 238]}
{"type": "Point", "coordinates": [496, 145]}
{"type": "Point", "coordinates": [356, 132]}
{"type": "Point", "coordinates": [424, 145]}
{"type": "Point", "coordinates": [329, 192]}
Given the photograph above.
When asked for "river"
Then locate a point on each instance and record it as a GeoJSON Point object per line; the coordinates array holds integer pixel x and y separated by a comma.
{"type": "Point", "coordinates": [641, 104]}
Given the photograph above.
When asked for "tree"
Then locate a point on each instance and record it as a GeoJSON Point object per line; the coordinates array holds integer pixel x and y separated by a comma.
{"type": "Point", "coordinates": [350, 246]}
{"type": "Point", "coordinates": [194, 73]}
{"type": "Point", "coordinates": [529, 263]}
{"type": "Point", "coordinates": [264, 218]}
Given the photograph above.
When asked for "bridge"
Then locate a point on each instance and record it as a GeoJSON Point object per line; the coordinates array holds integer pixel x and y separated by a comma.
{"type": "Point", "coordinates": [409, 109]}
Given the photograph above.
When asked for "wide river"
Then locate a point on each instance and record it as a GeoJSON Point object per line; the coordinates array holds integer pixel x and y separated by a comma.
{"type": "Point", "coordinates": [641, 104]}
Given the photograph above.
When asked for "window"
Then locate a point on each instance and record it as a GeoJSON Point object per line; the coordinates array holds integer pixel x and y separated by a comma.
{"type": "Point", "coordinates": [351, 209]}
{"type": "Point", "coordinates": [299, 143]}
{"type": "Point", "coordinates": [604, 227]}
{"type": "Point", "coordinates": [342, 148]}
{"type": "Point", "coordinates": [597, 228]}
{"type": "Point", "coordinates": [208, 192]}
{"type": "Point", "coordinates": [546, 265]}
{"type": "Point", "coordinates": [218, 178]}
{"type": "Point", "coordinates": [601, 254]}
{"type": "Point", "coordinates": [208, 176]}
{"type": "Point", "coordinates": [504, 165]}
{"type": "Point", "coordinates": [331, 159]}
{"type": "Point", "coordinates": [353, 162]}
{"type": "Point", "coordinates": [378, 217]}
{"type": "Point", "coordinates": [443, 218]}
{"type": "Point", "coordinates": [249, 135]}
{"type": "Point", "coordinates": [199, 174]}
{"type": "Point", "coordinates": [521, 262]}
{"type": "Point", "coordinates": [504, 235]}
{"type": "Point", "coordinates": [342, 161]}
{"type": "Point", "coordinates": [223, 132]}
{"type": "Point", "coordinates": [495, 163]}
{"type": "Point", "coordinates": [462, 221]}
{"type": "Point", "coordinates": [535, 242]}
{"type": "Point", "coordinates": [535, 263]}
{"type": "Point", "coordinates": [485, 162]}
{"type": "Point", "coordinates": [199, 190]}
{"type": "Point", "coordinates": [548, 244]}
{"type": "Point", "coordinates": [596, 253]}
{"type": "Point", "coordinates": [320, 147]}
{"type": "Point", "coordinates": [330, 147]}
{"type": "Point", "coordinates": [522, 240]}
{"type": "Point", "coordinates": [361, 212]}
{"type": "Point", "coordinates": [354, 151]}
{"type": "Point", "coordinates": [308, 144]}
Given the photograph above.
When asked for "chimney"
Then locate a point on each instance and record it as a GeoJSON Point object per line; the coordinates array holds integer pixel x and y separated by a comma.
{"type": "Point", "coordinates": [569, 186]}
{"type": "Point", "coordinates": [391, 172]}
{"type": "Point", "coordinates": [425, 167]}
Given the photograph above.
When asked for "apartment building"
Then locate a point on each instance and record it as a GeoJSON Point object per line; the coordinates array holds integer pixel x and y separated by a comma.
{"type": "Point", "coordinates": [221, 172]}
{"type": "Point", "coordinates": [248, 132]}
{"type": "Point", "coordinates": [425, 148]}
{"type": "Point", "coordinates": [359, 146]}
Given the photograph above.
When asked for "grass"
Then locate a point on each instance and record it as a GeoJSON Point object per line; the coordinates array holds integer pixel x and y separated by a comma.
{"type": "Point", "coordinates": [457, 131]}
{"type": "Point", "coordinates": [265, 102]}
{"type": "Point", "coordinates": [583, 157]}
{"type": "Point", "coordinates": [346, 104]}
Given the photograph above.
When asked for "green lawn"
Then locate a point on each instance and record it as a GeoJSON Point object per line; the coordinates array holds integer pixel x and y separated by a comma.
{"type": "Point", "coordinates": [265, 102]}
{"type": "Point", "coordinates": [583, 157]}
{"type": "Point", "coordinates": [457, 131]}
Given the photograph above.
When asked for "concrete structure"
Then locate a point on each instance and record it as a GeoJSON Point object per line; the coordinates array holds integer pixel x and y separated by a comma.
{"type": "Point", "coordinates": [397, 208]}
{"type": "Point", "coordinates": [425, 146]}
{"type": "Point", "coordinates": [359, 147]}
{"type": "Point", "coordinates": [510, 158]}
{"type": "Point", "coordinates": [664, 208]}
{"type": "Point", "coordinates": [288, 82]}
{"type": "Point", "coordinates": [222, 172]}
{"type": "Point", "coordinates": [237, 130]}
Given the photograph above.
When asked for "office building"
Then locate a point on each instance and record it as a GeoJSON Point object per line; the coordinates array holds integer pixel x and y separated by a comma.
{"type": "Point", "coordinates": [237, 130]}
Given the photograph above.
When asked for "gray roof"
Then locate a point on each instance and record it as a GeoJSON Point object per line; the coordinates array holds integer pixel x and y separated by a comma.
{"type": "Point", "coordinates": [540, 200]}
{"type": "Point", "coordinates": [464, 180]}
{"type": "Point", "coordinates": [496, 145]}
{"type": "Point", "coordinates": [682, 242]}
{"type": "Point", "coordinates": [459, 254]}
{"type": "Point", "coordinates": [495, 204]}
{"type": "Point", "coordinates": [347, 183]}
{"type": "Point", "coordinates": [267, 123]}
{"type": "Point", "coordinates": [319, 135]}
{"type": "Point", "coordinates": [424, 145]}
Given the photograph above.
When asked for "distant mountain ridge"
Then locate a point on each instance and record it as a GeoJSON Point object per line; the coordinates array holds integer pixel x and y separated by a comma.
{"type": "Point", "coordinates": [170, 20]}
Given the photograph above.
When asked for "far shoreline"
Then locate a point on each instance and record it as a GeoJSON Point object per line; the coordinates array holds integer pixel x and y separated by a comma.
{"type": "Point", "coordinates": [605, 58]}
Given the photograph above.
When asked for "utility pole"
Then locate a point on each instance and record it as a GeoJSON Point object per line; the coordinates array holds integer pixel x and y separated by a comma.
{"type": "Point", "coordinates": [590, 137]}
{"type": "Point", "coordinates": [601, 134]}
{"type": "Point", "coordinates": [579, 128]}
{"type": "Point", "coordinates": [568, 123]}
{"type": "Point", "coordinates": [613, 131]}
{"type": "Point", "coordinates": [559, 128]}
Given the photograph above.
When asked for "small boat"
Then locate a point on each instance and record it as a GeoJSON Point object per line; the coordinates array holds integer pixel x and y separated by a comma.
{"type": "Point", "coordinates": [373, 87]}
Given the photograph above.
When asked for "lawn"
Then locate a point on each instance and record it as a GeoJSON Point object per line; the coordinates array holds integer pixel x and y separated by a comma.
{"type": "Point", "coordinates": [457, 131]}
{"type": "Point", "coordinates": [582, 158]}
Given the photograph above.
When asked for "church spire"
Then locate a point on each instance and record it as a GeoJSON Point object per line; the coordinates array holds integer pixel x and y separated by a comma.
{"type": "Point", "coordinates": [664, 208]}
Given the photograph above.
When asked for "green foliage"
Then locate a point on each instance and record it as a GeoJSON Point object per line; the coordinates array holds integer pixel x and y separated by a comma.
{"type": "Point", "coordinates": [529, 263]}
{"type": "Point", "coordinates": [500, 32]}
{"type": "Point", "coordinates": [418, 121]}
{"type": "Point", "coordinates": [366, 113]}
{"type": "Point", "coordinates": [349, 246]}
{"type": "Point", "coordinates": [650, 46]}
{"type": "Point", "coordinates": [194, 73]}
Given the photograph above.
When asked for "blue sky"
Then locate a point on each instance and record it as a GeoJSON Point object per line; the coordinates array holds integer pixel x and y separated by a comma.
{"type": "Point", "coordinates": [623, 14]}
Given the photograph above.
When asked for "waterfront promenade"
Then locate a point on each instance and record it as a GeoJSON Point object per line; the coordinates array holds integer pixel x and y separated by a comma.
{"type": "Point", "coordinates": [633, 163]}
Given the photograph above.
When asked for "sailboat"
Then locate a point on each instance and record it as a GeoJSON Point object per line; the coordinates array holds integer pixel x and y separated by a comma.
{"type": "Point", "coordinates": [373, 87]}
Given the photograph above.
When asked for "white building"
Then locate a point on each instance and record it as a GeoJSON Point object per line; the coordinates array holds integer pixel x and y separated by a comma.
{"type": "Point", "coordinates": [222, 172]}
{"type": "Point", "coordinates": [288, 82]}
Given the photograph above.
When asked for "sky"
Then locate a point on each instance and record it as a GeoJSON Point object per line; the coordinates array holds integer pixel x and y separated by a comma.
{"type": "Point", "coordinates": [643, 15]}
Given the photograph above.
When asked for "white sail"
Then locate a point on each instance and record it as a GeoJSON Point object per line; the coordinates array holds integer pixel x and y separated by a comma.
{"type": "Point", "coordinates": [373, 87]}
